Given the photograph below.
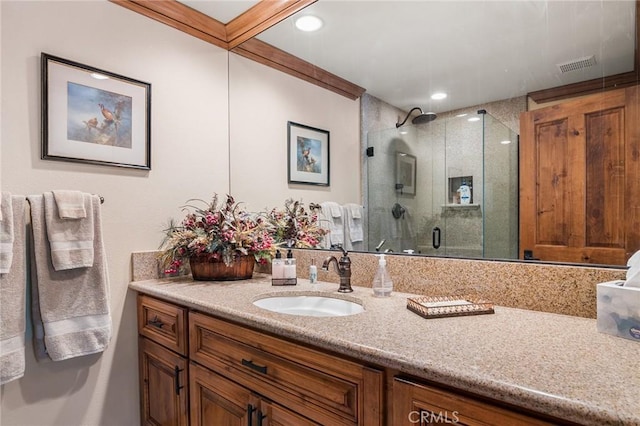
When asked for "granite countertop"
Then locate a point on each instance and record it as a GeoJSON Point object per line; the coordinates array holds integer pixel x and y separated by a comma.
{"type": "Point", "coordinates": [554, 364]}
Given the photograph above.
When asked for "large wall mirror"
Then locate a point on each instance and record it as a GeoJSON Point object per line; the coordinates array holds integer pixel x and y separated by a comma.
{"type": "Point", "coordinates": [456, 180]}
{"type": "Point", "coordinates": [486, 56]}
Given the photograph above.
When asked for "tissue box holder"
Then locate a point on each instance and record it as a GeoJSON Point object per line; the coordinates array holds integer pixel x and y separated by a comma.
{"type": "Point", "coordinates": [618, 310]}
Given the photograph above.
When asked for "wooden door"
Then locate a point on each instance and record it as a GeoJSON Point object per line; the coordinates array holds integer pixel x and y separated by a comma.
{"type": "Point", "coordinates": [163, 385]}
{"type": "Point", "coordinates": [580, 179]}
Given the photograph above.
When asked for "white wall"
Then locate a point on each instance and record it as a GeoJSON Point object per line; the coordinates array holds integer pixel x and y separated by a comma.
{"type": "Point", "coordinates": [189, 159]}
{"type": "Point", "coordinates": [262, 100]}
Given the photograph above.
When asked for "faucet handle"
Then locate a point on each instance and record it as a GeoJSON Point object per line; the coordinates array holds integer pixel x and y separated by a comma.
{"type": "Point", "coordinates": [339, 246]}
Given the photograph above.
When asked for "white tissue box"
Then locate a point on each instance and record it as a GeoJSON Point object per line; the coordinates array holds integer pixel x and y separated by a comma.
{"type": "Point", "coordinates": [618, 310]}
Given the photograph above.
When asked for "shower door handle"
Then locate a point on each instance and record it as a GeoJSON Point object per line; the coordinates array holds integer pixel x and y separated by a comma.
{"type": "Point", "coordinates": [435, 238]}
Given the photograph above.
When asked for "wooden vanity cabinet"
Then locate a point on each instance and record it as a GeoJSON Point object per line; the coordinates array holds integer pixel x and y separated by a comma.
{"type": "Point", "coordinates": [196, 369]}
{"type": "Point", "coordinates": [163, 365]}
{"type": "Point", "coordinates": [418, 403]}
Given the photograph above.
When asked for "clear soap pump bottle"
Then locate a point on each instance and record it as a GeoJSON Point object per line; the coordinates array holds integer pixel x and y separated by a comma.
{"type": "Point", "coordinates": [382, 284]}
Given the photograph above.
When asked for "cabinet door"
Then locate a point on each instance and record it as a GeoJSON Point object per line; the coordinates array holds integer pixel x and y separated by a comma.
{"type": "Point", "coordinates": [275, 415]}
{"type": "Point", "coordinates": [163, 391]}
{"type": "Point", "coordinates": [218, 401]}
{"type": "Point", "coordinates": [580, 179]}
{"type": "Point", "coordinates": [414, 403]}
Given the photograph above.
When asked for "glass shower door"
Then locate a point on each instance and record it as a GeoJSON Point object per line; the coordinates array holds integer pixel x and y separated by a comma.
{"type": "Point", "coordinates": [404, 179]}
{"type": "Point", "coordinates": [461, 208]}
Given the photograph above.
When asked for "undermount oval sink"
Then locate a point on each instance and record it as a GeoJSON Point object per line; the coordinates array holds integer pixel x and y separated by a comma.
{"type": "Point", "coordinates": [312, 306]}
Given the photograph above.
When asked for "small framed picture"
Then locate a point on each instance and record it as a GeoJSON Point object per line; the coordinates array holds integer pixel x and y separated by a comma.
{"type": "Point", "coordinates": [94, 116]}
{"type": "Point", "coordinates": [308, 155]}
{"type": "Point", "coordinates": [405, 173]}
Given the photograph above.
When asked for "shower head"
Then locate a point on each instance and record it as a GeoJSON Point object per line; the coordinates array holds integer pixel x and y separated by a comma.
{"type": "Point", "coordinates": [423, 117]}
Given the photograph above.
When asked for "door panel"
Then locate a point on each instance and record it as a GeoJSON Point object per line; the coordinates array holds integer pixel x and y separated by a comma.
{"type": "Point", "coordinates": [218, 401]}
{"type": "Point", "coordinates": [605, 177]}
{"type": "Point", "coordinates": [551, 198]}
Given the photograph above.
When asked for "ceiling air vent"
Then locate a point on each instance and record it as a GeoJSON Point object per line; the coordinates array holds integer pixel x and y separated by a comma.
{"type": "Point", "coordinates": [577, 64]}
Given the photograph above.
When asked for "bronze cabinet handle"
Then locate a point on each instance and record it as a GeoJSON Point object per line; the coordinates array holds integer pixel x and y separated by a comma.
{"type": "Point", "coordinates": [156, 322]}
{"type": "Point", "coordinates": [259, 368]}
{"type": "Point", "coordinates": [250, 410]}
{"type": "Point", "coordinates": [176, 380]}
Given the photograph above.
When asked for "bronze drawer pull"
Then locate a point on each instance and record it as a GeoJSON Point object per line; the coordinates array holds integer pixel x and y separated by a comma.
{"type": "Point", "coordinates": [176, 380]}
{"type": "Point", "coordinates": [259, 368]}
{"type": "Point", "coordinates": [250, 410]}
{"type": "Point", "coordinates": [260, 417]}
{"type": "Point", "coordinates": [156, 322]}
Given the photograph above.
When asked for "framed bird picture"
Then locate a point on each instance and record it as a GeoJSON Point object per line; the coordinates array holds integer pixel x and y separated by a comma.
{"type": "Point", "coordinates": [308, 155]}
{"type": "Point", "coordinates": [94, 116]}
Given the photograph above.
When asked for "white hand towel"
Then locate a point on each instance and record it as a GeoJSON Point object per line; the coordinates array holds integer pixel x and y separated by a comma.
{"type": "Point", "coordinates": [12, 301]}
{"type": "Point", "coordinates": [353, 222]}
{"type": "Point", "coordinates": [6, 233]}
{"type": "Point", "coordinates": [70, 204]}
{"type": "Point", "coordinates": [356, 211]}
{"type": "Point", "coordinates": [73, 304]}
{"type": "Point", "coordinates": [332, 213]}
{"type": "Point", "coordinates": [71, 240]}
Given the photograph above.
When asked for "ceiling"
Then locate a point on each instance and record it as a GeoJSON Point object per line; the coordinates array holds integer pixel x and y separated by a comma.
{"type": "Point", "coordinates": [475, 51]}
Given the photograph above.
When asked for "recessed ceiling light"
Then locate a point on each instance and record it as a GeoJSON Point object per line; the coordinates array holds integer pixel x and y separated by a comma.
{"type": "Point", "coordinates": [461, 115]}
{"type": "Point", "coordinates": [505, 142]}
{"type": "Point", "coordinates": [438, 96]}
{"type": "Point", "coordinates": [308, 23]}
{"type": "Point", "coordinates": [99, 76]}
{"type": "Point", "coordinates": [473, 119]}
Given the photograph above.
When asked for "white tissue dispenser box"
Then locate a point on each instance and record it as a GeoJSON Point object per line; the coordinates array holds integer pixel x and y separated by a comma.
{"type": "Point", "coordinates": [618, 310]}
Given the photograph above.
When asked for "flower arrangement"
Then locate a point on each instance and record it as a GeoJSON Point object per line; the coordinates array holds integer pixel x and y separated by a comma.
{"type": "Point", "coordinates": [296, 227]}
{"type": "Point", "coordinates": [218, 231]}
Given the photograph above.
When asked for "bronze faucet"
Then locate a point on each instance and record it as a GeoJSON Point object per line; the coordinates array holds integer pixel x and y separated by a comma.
{"type": "Point", "coordinates": [343, 268]}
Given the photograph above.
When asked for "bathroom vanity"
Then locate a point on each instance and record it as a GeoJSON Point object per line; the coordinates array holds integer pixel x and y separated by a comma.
{"type": "Point", "coordinates": [208, 354]}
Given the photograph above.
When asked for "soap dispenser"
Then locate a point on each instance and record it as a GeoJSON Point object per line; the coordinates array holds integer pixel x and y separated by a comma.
{"type": "Point", "coordinates": [382, 284]}
{"type": "Point", "coordinates": [277, 269]}
{"type": "Point", "coordinates": [290, 276]}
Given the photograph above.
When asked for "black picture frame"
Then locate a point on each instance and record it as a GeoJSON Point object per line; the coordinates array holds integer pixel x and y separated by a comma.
{"type": "Point", "coordinates": [308, 159]}
{"type": "Point", "coordinates": [405, 173]}
{"type": "Point", "coordinates": [94, 116]}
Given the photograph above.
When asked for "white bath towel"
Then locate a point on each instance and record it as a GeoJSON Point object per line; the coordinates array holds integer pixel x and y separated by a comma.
{"type": "Point", "coordinates": [70, 204]}
{"type": "Point", "coordinates": [12, 301]}
{"type": "Point", "coordinates": [353, 222]}
{"type": "Point", "coordinates": [71, 240]}
{"type": "Point", "coordinates": [6, 233]}
{"type": "Point", "coordinates": [72, 304]}
{"type": "Point", "coordinates": [331, 219]}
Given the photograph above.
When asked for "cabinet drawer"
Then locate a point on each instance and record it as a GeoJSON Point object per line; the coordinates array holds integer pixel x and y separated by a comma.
{"type": "Point", "coordinates": [416, 403]}
{"type": "Point", "coordinates": [163, 322]}
{"type": "Point", "coordinates": [324, 388]}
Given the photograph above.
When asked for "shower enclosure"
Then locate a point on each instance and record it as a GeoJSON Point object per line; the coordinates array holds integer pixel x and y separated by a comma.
{"type": "Point", "coordinates": [417, 196]}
